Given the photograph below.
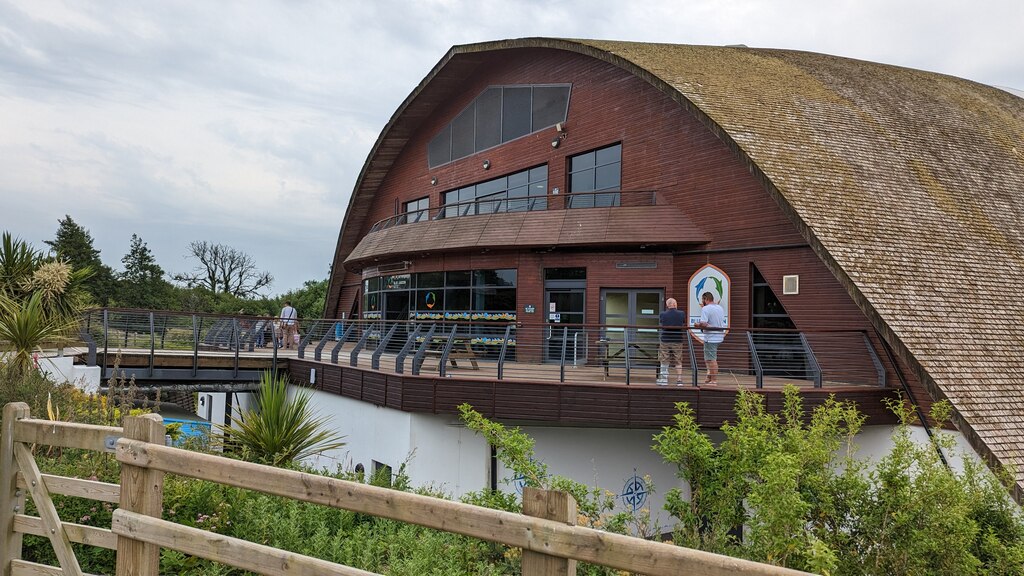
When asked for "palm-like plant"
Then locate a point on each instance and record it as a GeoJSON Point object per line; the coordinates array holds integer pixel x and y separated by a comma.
{"type": "Point", "coordinates": [25, 327]}
{"type": "Point", "coordinates": [279, 430]}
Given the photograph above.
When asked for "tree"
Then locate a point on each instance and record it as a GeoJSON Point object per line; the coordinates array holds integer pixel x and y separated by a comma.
{"type": "Point", "coordinates": [223, 269]}
{"type": "Point", "coordinates": [142, 281]}
{"type": "Point", "coordinates": [308, 300]}
{"type": "Point", "coordinates": [74, 245]}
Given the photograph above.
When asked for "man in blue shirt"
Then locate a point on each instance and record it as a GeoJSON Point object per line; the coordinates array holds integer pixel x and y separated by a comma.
{"type": "Point", "coordinates": [670, 351]}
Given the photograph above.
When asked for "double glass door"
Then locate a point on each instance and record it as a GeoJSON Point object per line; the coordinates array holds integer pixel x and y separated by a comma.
{"type": "Point", "coordinates": [631, 314]}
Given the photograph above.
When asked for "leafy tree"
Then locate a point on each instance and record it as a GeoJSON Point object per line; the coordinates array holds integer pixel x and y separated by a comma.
{"type": "Point", "coordinates": [142, 283]}
{"type": "Point", "coordinates": [223, 269]}
{"type": "Point", "coordinates": [279, 430]}
{"type": "Point", "coordinates": [309, 300]}
{"type": "Point", "coordinates": [74, 244]}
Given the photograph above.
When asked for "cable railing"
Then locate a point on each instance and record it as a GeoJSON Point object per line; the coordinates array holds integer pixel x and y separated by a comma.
{"type": "Point", "coordinates": [497, 204]}
{"type": "Point", "coordinates": [494, 350]}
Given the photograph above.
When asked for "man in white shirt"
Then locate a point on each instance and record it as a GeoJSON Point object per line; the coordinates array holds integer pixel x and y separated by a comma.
{"type": "Point", "coordinates": [712, 321]}
{"type": "Point", "coordinates": [289, 323]}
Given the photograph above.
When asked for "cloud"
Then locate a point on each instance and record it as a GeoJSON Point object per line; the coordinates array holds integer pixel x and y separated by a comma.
{"type": "Point", "coordinates": [247, 122]}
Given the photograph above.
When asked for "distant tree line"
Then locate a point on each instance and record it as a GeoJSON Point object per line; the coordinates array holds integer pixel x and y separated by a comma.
{"type": "Point", "coordinates": [223, 279]}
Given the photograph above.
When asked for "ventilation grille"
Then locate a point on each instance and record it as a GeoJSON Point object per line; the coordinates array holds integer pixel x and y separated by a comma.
{"type": "Point", "coordinates": [791, 284]}
{"type": "Point", "coordinates": [392, 267]}
{"type": "Point", "coordinates": [636, 265]}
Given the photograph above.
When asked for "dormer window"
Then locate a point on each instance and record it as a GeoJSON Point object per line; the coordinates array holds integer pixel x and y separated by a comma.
{"type": "Point", "coordinates": [499, 114]}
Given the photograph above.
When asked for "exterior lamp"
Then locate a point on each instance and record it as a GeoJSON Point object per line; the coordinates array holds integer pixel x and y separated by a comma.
{"type": "Point", "coordinates": [487, 164]}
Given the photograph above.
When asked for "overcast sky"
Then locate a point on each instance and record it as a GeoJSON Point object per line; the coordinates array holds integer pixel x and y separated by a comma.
{"type": "Point", "coordinates": [246, 123]}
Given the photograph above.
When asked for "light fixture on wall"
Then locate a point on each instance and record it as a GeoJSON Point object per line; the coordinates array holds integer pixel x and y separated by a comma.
{"type": "Point", "coordinates": [433, 181]}
{"type": "Point", "coordinates": [556, 142]}
{"type": "Point", "coordinates": [487, 164]}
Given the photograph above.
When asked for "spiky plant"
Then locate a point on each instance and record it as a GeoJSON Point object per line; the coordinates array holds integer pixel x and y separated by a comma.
{"type": "Point", "coordinates": [279, 430]}
{"type": "Point", "coordinates": [25, 327]}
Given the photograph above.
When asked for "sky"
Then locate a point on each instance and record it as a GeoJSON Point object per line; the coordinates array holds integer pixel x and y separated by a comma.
{"type": "Point", "coordinates": [246, 123]}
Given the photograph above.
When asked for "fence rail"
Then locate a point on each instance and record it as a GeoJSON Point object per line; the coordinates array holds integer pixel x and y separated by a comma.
{"type": "Point", "coordinates": [551, 546]}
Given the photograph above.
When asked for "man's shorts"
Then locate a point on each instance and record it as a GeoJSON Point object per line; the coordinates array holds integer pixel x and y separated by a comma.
{"type": "Point", "coordinates": [711, 350]}
{"type": "Point", "coordinates": [670, 353]}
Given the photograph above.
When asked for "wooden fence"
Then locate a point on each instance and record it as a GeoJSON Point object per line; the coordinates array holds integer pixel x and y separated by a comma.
{"type": "Point", "coordinates": [550, 542]}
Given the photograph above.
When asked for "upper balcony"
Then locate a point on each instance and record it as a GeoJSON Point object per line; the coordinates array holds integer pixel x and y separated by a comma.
{"type": "Point", "coordinates": [578, 220]}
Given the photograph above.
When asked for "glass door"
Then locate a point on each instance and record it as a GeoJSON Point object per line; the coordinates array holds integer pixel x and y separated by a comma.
{"type": "Point", "coordinates": [565, 308]}
{"type": "Point", "coordinates": [639, 309]}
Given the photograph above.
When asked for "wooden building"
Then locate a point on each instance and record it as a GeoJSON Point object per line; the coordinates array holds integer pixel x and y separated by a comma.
{"type": "Point", "coordinates": [578, 181]}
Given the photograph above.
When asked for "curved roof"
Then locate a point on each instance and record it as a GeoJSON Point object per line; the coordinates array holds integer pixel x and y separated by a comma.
{"type": "Point", "coordinates": [909, 185]}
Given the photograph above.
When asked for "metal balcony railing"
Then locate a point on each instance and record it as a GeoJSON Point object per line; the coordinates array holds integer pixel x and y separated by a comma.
{"type": "Point", "coordinates": [504, 203]}
{"type": "Point", "coordinates": [489, 350]}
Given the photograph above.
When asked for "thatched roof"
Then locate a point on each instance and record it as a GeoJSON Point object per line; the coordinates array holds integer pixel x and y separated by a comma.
{"type": "Point", "coordinates": [909, 185]}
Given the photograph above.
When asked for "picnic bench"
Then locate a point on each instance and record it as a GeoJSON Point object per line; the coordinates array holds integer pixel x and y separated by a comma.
{"type": "Point", "coordinates": [461, 350]}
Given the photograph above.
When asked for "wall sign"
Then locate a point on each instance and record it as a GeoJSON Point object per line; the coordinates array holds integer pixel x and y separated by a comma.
{"type": "Point", "coordinates": [529, 309]}
{"type": "Point", "coordinates": [709, 278]}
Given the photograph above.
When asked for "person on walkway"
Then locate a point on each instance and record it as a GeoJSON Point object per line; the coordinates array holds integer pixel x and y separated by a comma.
{"type": "Point", "coordinates": [289, 324]}
{"type": "Point", "coordinates": [712, 323]}
{"type": "Point", "coordinates": [670, 350]}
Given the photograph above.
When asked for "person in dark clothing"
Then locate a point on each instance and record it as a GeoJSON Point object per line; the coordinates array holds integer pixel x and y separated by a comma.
{"type": "Point", "coordinates": [670, 351]}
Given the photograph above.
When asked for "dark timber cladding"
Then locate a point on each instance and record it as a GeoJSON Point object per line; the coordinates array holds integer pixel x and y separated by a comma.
{"type": "Point", "coordinates": [894, 194]}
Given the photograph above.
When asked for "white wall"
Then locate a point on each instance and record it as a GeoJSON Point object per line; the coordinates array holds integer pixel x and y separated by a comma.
{"type": "Point", "coordinates": [64, 369]}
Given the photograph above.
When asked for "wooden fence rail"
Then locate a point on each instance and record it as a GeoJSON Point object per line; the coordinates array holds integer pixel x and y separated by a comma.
{"type": "Point", "coordinates": [551, 543]}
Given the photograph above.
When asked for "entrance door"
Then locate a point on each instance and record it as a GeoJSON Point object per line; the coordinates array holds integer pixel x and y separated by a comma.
{"type": "Point", "coordinates": [638, 309]}
{"type": "Point", "coordinates": [565, 308]}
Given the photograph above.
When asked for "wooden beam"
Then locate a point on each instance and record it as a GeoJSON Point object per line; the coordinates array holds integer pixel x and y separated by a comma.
{"type": "Point", "coordinates": [89, 489]}
{"type": "Point", "coordinates": [23, 568]}
{"type": "Point", "coordinates": [12, 500]}
{"type": "Point", "coordinates": [223, 549]}
{"type": "Point", "coordinates": [539, 535]}
{"type": "Point", "coordinates": [66, 434]}
{"type": "Point", "coordinates": [142, 491]}
{"type": "Point", "coordinates": [47, 512]}
{"type": "Point", "coordinates": [77, 533]}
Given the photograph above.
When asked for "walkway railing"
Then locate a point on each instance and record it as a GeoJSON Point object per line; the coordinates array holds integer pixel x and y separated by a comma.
{"type": "Point", "coordinates": [550, 541]}
{"type": "Point", "coordinates": [486, 347]}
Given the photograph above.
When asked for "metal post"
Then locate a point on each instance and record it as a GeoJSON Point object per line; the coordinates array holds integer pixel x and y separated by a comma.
{"type": "Point", "coordinates": [417, 360]}
{"type": "Point", "coordinates": [237, 345]}
{"type": "Point", "coordinates": [504, 348]}
{"type": "Point", "coordinates": [447, 350]}
{"type": "Point", "coordinates": [152, 344]}
{"type": "Point", "coordinates": [344, 338]}
{"type": "Point", "coordinates": [106, 338]}
{"type": "Point", "coordinates": [301, 353]}
{"type": "Point", "coordinates": [381, 346]}
{"type": "Point", "coordinates": [409, 342]}
{"type": "Point", "coordinates": [565, 342]}
{"type": "Point", "coordinates": [758, 371]}
{"type": "Point", "coordinates": [814, 361]}
{"type": "Point", "coordinates": [625, 352]}
{"type": "Point", "coordinates": [195, 345]}
{"type": "Point", "coordinates": [879, 368]}
{"type": "Point", "coordinates": [693, 358]}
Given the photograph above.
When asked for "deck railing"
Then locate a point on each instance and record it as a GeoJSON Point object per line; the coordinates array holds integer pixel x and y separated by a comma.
{"type": "Point", "coordinates": [493, 346]}
{"type": "Point", "coordinates": [546, 533]}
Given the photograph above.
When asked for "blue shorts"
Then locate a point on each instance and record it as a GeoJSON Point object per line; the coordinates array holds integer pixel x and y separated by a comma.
{"type": "Point", "coordinates": [711, 350]}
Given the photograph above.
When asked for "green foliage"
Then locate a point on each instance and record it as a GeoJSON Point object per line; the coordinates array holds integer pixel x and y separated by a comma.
{"type": "Point", "coordinates": [141, 284]}
{"type": "Point", "coordinates": [74, 244]}
{"type": "Point", "coordinates": [804, 501]}
{"type": "Point", "coordinates": [310, 300]}
{"type": "Point", "coordinates": [279, 430]}
{"type": "Point", "coordinates": [25, 327]}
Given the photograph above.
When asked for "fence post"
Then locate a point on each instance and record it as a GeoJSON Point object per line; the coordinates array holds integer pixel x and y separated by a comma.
{"type": "Point", "coordinates": [12, 501]}
{"type": "Point", "coordinates": [550, 505]}
{"type": "Point", "coordinates": [142, 491]}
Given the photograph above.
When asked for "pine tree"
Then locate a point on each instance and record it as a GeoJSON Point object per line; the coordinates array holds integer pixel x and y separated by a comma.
{"type": "Point", "coordinates": [142, 283]}
{"type": "Point", "coordinates": [74, 245]}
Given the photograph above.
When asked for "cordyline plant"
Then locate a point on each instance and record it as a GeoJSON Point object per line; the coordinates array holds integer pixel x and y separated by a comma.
{"type": "Point", "coordinates": [279, 430]}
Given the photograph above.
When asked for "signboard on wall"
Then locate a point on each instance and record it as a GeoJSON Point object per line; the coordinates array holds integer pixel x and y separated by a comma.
{"type": "Point", "coordinates": [709, 278]}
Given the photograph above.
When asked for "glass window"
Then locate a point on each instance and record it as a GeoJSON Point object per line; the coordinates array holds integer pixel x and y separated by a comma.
{"type": "Point", "coordinates": [457, 300]}
{"type": "Point", "coordinates": [416, 210]}
{"type": "Point", "coordinates": [371, 302]}
{"type": "Point", "coordinates": [565, 273]}
{"type": "Point", "coordinates": [397, 282]}
{"type": "Point", "coordinates": [439, 151]}
{"type": "Point", "coordinates": [550, 104]}
{"type": "Point", "coordinates": [492, 195]}
{"type": "Point", "coordinates": [373, 284]}
{"type": "Point", "coordinates": [430, 279]}
{"type": "Point", "coordinates": [459, 278]}
{"type": "Point", "coordinates": [494, 299]}
{"type": "Point", "coordinates": [595, 171]}
{"type": "Point", "coordinates": [463, 134]}
{"type": "Point", "coordinates": [430, 300]}
{"type": "Point", "coordinates": [505, 277]}
{"type": "Point", "coordinates": [488, 119]}
{"type": "Point", "coordinates": [516, 115]}
{"type": "Point", "coordinates": [499, 114]}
